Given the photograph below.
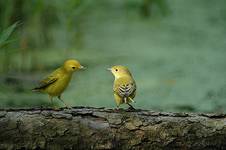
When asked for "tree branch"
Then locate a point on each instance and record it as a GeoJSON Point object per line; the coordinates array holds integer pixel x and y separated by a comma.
{"type": "Point", "coordinates": [99, 128]}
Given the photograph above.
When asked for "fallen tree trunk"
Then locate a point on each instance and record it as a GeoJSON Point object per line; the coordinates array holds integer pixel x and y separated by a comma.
{"type": "Point", "coordinates": [99, 128]}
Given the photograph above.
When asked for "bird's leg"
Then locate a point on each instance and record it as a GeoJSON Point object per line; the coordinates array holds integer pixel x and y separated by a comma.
{"type": "Point", "coordinates": [125, 100]}
{"type": "Point", "coordinates": [59, 97]}
{"type": "Point", "coordinates": [131, 107]}
{"type": "Point", "coordinates": [117, 109]}
{"type": "Point", "coordinates": [54, 107]}
{"type": "Point", "coordinates": [51, 99]}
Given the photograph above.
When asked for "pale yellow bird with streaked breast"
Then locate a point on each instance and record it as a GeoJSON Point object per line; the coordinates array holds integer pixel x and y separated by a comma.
{"type": "Point", "coordinates": [55, 84]}
{"type": "Point", "coordinates": [124, 86]}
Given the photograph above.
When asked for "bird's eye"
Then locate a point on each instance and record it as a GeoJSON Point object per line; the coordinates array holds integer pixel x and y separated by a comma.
{"type": "Point", "coordinates": [116, 69]}
{"type": "Point", "coordinates": [73, 67]}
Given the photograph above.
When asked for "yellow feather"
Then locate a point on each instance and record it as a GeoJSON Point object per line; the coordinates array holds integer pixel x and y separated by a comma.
{"type": "Point", "coordinates": [57, 81]}
{"type": "Point", "coordinates": [124, 86]}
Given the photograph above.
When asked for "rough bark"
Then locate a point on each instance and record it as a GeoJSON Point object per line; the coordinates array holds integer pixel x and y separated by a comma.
{"type": "Point", "coordinates": [99, 128]}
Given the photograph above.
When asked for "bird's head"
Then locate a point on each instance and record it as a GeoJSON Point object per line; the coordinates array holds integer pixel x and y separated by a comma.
{"type": "Point", "coordinates": [72, 65]}
{"type": "Point", "coordinates": [119, 71]}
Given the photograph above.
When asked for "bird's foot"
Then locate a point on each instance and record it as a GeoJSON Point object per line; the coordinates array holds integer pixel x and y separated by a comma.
{"type": "Point", "coordinates": [68, 107]}
{"type": "Point", "coordinates": [117, 109]}
{"type": "Point", "coordinates": [56, 108]}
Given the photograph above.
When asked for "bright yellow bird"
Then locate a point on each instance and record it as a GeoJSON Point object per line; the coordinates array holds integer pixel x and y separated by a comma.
{"type": "Point", "coordinates": [124, 85]}
{"type": "Point", "coordinates": [57, 81]}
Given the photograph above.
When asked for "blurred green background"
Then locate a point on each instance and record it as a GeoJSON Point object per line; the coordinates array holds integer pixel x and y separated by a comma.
{"type": "Point", "coordinates": [176, 50]}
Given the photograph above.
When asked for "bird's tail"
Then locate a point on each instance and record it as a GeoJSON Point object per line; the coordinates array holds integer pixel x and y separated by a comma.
{"type": "Point", "coordinates": [131, 100]}
{"type": "Point", "coordinates": [128, 100]}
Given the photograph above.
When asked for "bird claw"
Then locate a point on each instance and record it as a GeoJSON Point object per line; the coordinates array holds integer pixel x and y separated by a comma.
{"type": "Point", "coordinates": [68, 107]}
{"type": "Point", "coordinates": [56, 108]}
{"type": "Point", "coordinates": [117, 109]}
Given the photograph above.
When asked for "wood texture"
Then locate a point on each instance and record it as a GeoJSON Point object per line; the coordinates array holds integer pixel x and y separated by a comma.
{"type": "Point", "coordinates": [100, 128]}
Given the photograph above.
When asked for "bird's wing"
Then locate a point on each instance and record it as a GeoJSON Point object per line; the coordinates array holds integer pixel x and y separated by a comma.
{"type": "Point", "coordinates": [47, 81]}
{"type": "Point", "coordinates": [125, 89]}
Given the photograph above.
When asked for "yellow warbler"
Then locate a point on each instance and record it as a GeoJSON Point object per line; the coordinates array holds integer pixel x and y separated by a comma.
{"type": "Point", "coordinates": [124, 85]}
{"type": "Point", "coordinates": [57, 81]}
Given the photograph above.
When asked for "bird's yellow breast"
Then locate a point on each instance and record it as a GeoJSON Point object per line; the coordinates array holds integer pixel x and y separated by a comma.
{"type": "Point", "coordinates": [59, 86]}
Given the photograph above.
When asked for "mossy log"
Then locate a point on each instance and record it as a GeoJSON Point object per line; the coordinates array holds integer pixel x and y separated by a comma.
{"type": "Point", "coordinates": [100, 128]}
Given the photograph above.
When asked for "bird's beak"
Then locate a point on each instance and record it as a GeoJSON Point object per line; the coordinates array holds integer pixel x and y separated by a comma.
{"type": "Point", "coordinates": [82, 67]}
{"type": "Point", "coordinates": [109, 69]}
